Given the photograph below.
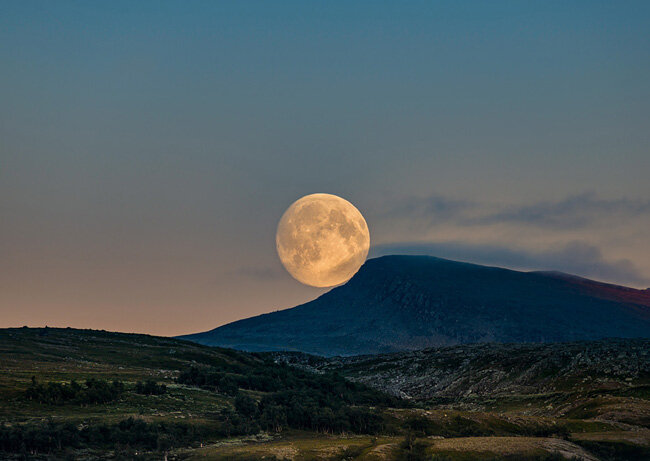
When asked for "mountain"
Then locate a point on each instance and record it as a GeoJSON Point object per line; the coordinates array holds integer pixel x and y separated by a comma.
{"type": "Point", "coordinates": [400, 303]}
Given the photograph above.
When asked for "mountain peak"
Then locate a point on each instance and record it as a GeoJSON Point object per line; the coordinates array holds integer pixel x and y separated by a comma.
{"type": "Point", "coordinates": [398, 302]}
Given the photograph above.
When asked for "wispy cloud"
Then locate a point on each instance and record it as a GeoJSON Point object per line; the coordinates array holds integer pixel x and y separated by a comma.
{"type": "Point", "coordinates": [572, 212]}
{"type": "Point", "coordinates": [574, 258]}
{"type": "Point", "coordinates": [435, 208]}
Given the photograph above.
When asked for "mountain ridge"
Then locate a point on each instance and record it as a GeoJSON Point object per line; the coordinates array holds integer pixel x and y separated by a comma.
{"type": "Point", "coordinates": [400, 303]}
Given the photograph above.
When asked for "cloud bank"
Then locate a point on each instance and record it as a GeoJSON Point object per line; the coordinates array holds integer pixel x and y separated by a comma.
{"type": "Point", "coordinates": [573, 212]}
{"type": "Point", "coordinates": [574, 258]}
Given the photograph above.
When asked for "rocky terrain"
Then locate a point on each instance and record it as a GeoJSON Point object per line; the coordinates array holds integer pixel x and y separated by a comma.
{"type": "Point", "coordinates": [493, 370]}
{"type": "Point", "coordinates": [401, 303]}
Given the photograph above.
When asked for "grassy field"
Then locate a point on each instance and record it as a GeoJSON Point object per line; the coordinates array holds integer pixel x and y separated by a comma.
{"type": "Point", "coordinates": [608, 425]}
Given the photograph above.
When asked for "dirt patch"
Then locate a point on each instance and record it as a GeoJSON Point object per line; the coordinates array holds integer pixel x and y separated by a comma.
{"type": "Point", "coordinates": [286, 452]}
{"type": "Point", "coordinates": [567, 449]}
{"type": "Point", "coordinates": [512, 446]}
{"type": "Point", "coordinates": [383, 451]}
{"type": "Point", "coordinates": [637, 437]}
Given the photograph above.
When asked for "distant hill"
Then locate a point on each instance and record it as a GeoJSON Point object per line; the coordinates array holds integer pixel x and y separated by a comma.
{"type": "Point", "coordinates": [67, 348]}
{"type": "Point", "coordinates": [401, 303]}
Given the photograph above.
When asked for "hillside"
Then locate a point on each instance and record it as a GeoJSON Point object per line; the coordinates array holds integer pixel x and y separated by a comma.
{"type": "Point", "coordinates": [84, 394]}
{"type": "Point", "coordinates": [398, 303]}
{"type": "Point", "coordinates": [116, 394]}
{"type": "Point", "coordinates": [492, 371]}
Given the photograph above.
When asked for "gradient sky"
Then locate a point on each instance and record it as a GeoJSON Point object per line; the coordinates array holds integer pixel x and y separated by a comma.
{"type": "Point", "coordinates": [148, 149]}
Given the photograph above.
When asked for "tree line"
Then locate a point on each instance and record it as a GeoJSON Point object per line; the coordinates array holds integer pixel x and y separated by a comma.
{"type": "Point", "coordinates": [92, 391]}
{"type": "Point", "coordinates": [293, 398]}
{"type": "Point", "coordinates": [297, 399]}
{"type": "Point", "coordinates": [127, 435]}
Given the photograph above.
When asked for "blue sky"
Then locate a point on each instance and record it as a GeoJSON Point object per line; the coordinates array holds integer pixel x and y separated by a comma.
{"type": "Point", "coordinates": [148, 149]}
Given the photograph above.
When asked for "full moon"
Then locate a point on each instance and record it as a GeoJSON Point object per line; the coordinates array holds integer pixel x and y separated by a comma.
{"type": "Point", "coordinates": [322, 240]}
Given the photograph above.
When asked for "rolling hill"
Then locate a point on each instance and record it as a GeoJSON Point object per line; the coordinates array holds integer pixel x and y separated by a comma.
{"type": "Point", "coordinates": [84, 394]}
{"type": "Point", "coordinates": [401, 303]}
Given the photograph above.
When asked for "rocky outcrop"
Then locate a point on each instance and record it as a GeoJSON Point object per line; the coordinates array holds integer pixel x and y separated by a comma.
{"type": "Point", "coordinates": [492, 370]}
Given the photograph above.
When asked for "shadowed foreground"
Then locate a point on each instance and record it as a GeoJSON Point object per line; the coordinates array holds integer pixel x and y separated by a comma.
{"type": "Point", "coordinates": [83, 394]}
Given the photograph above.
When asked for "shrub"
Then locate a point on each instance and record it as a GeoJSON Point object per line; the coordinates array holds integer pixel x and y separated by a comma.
{"type": "Point", "coordinates": [130, 433]}
{"type": "Point", "coordinates": [150, 387]}
{"type": "Point", "coordinates": [94, 391]}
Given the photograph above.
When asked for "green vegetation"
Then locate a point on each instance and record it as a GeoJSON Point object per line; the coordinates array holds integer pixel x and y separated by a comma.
{"type": "Point", "coordinates": [95, 391]}
{"type": "Point", "coordinates": [99, 395]}
{"type": "Point", "coordinates": [150, 387]}
{"type": "Point", "coordinates": [127, 435]}
{"type": "Point", "coordinates": [616, 451]}
{"type": "Point", "coordinates": [298, 399]}
{"type": "Point", "coordinates": [270, 377]}
{"type": "Point", "coordinates": [459, 426]}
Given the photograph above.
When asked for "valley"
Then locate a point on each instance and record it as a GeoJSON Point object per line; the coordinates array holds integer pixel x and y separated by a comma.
{"type": "Point", "coordinates": [225, 404]}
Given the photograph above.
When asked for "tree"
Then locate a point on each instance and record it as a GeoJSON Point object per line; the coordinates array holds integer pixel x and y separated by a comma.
{"type": "Point", "coordinates": [246, 406]}
{"type": "Point", "coordinates": [273, 418]}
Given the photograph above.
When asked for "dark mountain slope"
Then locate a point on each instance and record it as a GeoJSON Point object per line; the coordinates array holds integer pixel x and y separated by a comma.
{"type": "Point", "coordinates": [397, 303]}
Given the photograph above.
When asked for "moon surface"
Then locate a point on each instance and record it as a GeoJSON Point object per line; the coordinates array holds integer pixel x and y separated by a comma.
{"type": "Point", "coordinates": [322, 240]}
